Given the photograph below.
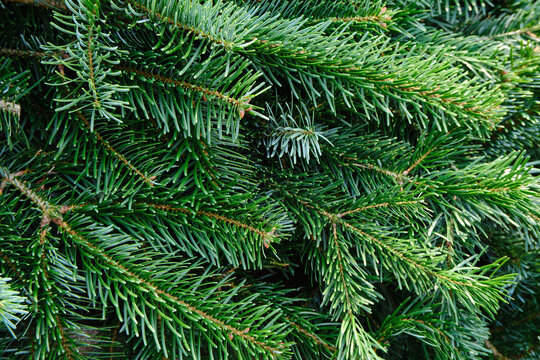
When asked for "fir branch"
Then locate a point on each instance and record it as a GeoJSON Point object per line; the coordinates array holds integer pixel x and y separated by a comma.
{"type": "Point", "coordinates": [374, 206]}
{"type": "Point", "coordinates": [193, 30]}
{"type": "Point", "coordinates": [417, 162]}
{"type": "Point", "coordinates": [132, 276]}
{"type": "Point", "coordinates": [343, 73]}
{"type": "Point", "coordinates": [313, 336]}
{"type": "Point", "coordinates": [426, 323]}
{"type": "Point", "coordinates": [64, 341]}
{"type": "Point", "coordinates": [405, 258]}
{"type": "Point", "coordinates": [335, 219]}
{"type": "Point", "coordinates": [93, 86]}
{"type": "Point", "coordinates": [373, 175]}
{"type": "Point", "coordinates": [12, 306]}
{"type": "Point", "coordinates": [381, 19]}
{"type": "Point", "coordinates": [51, 211]}
{"type": "Point", "coordinates": [528, 30]}
{"type": "Point", "coordinates": [114, 152]}
{"type": "Point", "coordinates": [241, 104]}
{"type": "Point", "coordinates": [398, 177]}
{"type": "Point", "coordinates": [340, 264]}
{"type": "Point", "coordinates": [266, 236]}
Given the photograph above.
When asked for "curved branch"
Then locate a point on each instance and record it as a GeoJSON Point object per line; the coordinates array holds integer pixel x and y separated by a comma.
{"type": "Point", "coordinates": [162, 293]}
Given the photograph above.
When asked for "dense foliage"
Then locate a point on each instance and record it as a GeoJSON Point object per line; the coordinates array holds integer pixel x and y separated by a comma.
{"type": "Point", "coordinates": [269, 179]}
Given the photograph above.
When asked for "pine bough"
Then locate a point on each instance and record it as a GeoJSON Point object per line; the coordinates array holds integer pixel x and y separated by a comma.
{"type": "Point", "coordinates": [206, 179]}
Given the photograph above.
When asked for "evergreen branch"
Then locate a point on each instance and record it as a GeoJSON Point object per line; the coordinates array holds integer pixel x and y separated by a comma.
{"type": "Point", "coordinates": [64, 342]}
{"type": "Point", "coordinates": [375, 18]}
{"type": "Point", "coordinates": [374, 206]}
{"type": "Point", "coordinates": [196, 88]}
{"type": "Point", "coordinates": [365, 13]}
{"type": "Point", "coordinates": [93, 86]}
{"type": "Point", "coordinates": [417, 162]}
{"type": "Point", "coordinates": [335, 219]}
{"type": "Point", "coordinates": [94, 90]}
{"type": "Point", "coordinates": [162, 293]}
{"type": "Point", "coordinates": [114, 152]}
{"type": "Point", "coordinates": [349, 75]}
{"type": "Point", "coordinates": [395, 176]}
{"type": "Point", "coordinates": [527, 30]}
{"type": "Point", "coordinates": [340, 264]}
{"type": "Point", "coordinates": [48, 211]}
{"type": "Point", "coordinates": [313, 337]}
{"type": "Point", "coordinates": [190, 29]}
{"type": "Point", "coordinates": [51, 212]}
{"type": "Point", "coordinates": [381, 19]}
{"type": "Point", "coordinates": [403, 257]}
{"type": "Point", "coordinates": [424, 323]}
{"type": "Point", "coordinates": [378, 172]}
{"type": "Point", "coordinates": [11, 306]}
{"type": "Point", "coordinates": [267, 236]}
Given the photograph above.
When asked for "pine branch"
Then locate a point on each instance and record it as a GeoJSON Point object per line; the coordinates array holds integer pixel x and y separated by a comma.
{"type": "Point", "coordinates": [114, 152]}
{"type": "Point", "coordinates": [52, 213]}
{"type": "Point", "coordinates": [267, 236]}
{"type": "Point", "coordinates": [402, 253]}
{"type": "Point", "coordinates": [11, 305]}
{"type": "Point", "coordinates": [144, 216]}
{"type": "Point", "coordinates": [206, 92]}
{"type": "Point", "coordinates": [296, 54]}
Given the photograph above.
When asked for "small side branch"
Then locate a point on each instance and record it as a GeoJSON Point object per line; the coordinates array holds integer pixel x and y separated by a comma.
{"type": "Point", "coordinates": [528, 31]}
{"type": "Point", "coordinates": [11, 179]}
{"type": "Point", "coordinates": [375, 206]}
{"type": "Point", "coordinates": [417, 162]}
{"type": "Point", "coordinates": [397, 177]}
{"type": "Point", "coordinates": [312, 336]}
{"type": "Point", "coordinates": [403, 256]}
{"type": "Point", "coordinates": [267, 236]}
{"type": "Point", "coordinates": [382, 19]}
{"type": "Point", "coordinates": [334, 219]}
{"type": "Point", "coordinates": [341, 271]}
{"type": "Point", "coordinates": [185, 27]}
{"type": "Point", "coordinates": [185, 85]}
{"type": "Point", "coordinates": [64, 341]}
{"type": "Point", "coordinates": [115, 153]}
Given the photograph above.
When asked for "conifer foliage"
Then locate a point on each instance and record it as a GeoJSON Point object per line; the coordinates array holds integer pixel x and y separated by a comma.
{"type": "Point", "coordinates": [273, 179]}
